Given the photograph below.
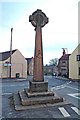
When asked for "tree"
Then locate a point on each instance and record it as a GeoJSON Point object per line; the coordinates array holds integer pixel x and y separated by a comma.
{"type": "Point", "coordinates": [53, 61]}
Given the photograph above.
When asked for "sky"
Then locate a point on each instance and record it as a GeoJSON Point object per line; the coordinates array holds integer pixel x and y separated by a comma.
{"type": "Point", "coordinates": [60, 32]}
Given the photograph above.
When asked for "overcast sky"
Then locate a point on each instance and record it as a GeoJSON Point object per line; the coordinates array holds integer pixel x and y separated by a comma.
{"type": "Point", "coordinates": [60, 32]}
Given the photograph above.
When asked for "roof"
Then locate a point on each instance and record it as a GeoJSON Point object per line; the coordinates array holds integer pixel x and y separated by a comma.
{"type": "Point", "coordinates": [29, 59]}
{"type": "Point", "coordinates": [5, 55]}
{"type": "Point", "coordinates": [49, 66]}
{"type": "Point", "coordinates": [65, 57]}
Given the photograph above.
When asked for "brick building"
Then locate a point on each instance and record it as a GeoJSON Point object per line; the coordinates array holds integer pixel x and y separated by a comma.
{"type": "Point", "coordinates": [63, 65]}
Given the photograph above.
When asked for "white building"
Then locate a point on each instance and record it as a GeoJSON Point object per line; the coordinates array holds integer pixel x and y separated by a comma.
{"type": "Point", "coordinates": [18, 65]}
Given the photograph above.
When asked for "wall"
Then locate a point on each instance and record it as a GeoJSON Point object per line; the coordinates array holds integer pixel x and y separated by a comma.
{"type": "Point", "coordinates": [19, 65]}
{"type": "Point", "coordinates": [0, 69]}
{"type": "Point", "coordinates": [74, 64]}
{"type": "Point", "coordinates": [31, 65]}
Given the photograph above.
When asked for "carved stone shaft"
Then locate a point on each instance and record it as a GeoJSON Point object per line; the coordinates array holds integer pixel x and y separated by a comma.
{"type": "Point", "coordinates": [38, 74]}
{"type": "Point", "coordinates": [38, 19]}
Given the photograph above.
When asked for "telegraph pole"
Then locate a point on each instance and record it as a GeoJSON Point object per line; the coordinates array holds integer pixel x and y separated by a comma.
{"type": "Point", "coordinates": [11, 50]}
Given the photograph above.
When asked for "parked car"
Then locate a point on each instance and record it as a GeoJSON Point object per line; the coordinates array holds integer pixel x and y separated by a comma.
{"type": "Point", "coordinates": [65, 75]}
{"type": "Point", "coordinates": [54, 74]}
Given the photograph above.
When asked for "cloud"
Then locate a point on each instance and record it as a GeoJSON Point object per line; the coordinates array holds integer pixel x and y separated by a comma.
{"type": "Point", "coordinates": [61, 31]}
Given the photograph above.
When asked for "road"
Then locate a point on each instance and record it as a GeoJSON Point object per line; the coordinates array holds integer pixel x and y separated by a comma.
{"type": "Point", "coordinates": [67, 89]}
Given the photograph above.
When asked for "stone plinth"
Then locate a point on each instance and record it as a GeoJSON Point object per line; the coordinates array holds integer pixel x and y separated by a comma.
{"type": "Point", "coordinates": [38, 86]}
{"type": "Point", "coordinates": [48, 98]}
{"type": "Point", "coordinates": [38, 94]}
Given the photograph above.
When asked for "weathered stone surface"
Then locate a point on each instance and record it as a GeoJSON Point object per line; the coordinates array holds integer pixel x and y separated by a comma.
{"type": "Point", "coordinates": [38, 86]}
{"type": "Point", "coordinates": [38, 94]}
{"type": "Point", "coordinates": [38, 19]}
{"type": "Point", "coordinates": [38, 73]}
{"type": "Point", "coordinates": [18, 106]}
{"type": "Point", "coordinates": [38, 100]}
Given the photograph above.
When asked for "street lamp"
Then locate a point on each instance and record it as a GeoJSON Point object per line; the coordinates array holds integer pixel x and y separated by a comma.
{"type": "Point", "coordinates": [11, 50]}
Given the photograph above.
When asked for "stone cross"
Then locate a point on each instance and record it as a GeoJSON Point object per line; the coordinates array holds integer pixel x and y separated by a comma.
{"type": "Point", "coordinates": [38, 19]}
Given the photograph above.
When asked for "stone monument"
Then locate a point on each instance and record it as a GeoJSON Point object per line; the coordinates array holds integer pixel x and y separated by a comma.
{"type": "Point", "coordinates": [38, 20]}
{"type": "Point", "coordinates": [38, 92]}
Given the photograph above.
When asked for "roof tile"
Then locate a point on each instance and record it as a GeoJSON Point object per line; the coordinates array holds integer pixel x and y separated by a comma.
{"type": "Point", "coordinates": [5, 55]}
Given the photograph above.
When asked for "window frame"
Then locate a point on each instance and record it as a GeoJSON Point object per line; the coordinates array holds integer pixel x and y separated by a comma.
{"type": "Point", "coordinates": [78, 57]}
{"type": "Point", "coordinates": [79, 70]}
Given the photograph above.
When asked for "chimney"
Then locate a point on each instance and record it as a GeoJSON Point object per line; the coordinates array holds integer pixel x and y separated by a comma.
{"type": "Point", "coordinates": [64, 51]}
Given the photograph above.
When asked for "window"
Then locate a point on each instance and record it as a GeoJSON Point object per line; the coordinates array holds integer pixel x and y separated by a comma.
{"type": "Point", "coordinates": [63, 69]}
{"type": "Point", "coordinates": [78, 57]}
{"type": "Point", "coordinates": [63, 62]}
{"type": "Point", "coordinates": [79, 70]}
{"type": "Point", "coordinates": [17, 75]}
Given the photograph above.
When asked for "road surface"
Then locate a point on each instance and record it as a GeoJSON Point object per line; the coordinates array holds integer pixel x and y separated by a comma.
{"type": "Point", "coordinates": [67, 89]}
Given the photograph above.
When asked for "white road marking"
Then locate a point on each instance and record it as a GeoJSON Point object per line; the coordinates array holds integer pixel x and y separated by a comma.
{"type": "Point", "coordinates": [76, 110]}
{"type": "Point", "coordinates": [73, 88]}
{"type": "Point", "coordinates": [10, 113]}
{"type": "Point", "coordinates": [75, 95]}
{"type": "Point", "coordinates": [13, 85]}
{"type": "Point", "coordinates": [18, 85]}
{"type": "Point", "coordinates": [6, 93]}
{"type": "Point", "coordinates": [64, 112]}
{"type": "Point", "coordinates": [63, 86]}
{"type": "Point", "coordinates": [60, 86]}
{"type": "Point", "coordinates": [69, 82]}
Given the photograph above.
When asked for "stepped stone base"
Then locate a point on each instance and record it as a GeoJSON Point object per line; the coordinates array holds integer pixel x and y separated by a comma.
{"type": "Point", "coordinates": [37, 95]}
{"type": "Point", "coordinates": [27, 99]}
{"type": "Point", "coordinates": [18, 106]}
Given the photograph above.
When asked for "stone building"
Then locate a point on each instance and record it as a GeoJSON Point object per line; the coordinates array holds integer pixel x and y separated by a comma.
{"type": "Point", "coordinates": [74, 64]}
{"type": "Point", "coordinates": [55, 70]}
{"type": "Point", "coordinates": [63, 65]}
{"type": "Point", "coordinates": [50, 70]}
{"type": "Point", "coordinates": [30, 65]}
{"type": "Point", "coordinates": [18, 65]}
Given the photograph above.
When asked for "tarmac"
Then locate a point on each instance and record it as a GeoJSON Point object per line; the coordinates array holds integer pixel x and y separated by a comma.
{"type": "Point", "coordinates": [48, 111]}
{"type": "Point", "coordinates": [28, 78]}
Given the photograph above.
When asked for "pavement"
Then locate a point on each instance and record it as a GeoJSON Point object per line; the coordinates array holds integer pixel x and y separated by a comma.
{"type": "Point", "coordinates": [29, 77]}
{"type": "Point", "coordinates": [45, 111]}
{"type": "Point", "coordinates": [66, 110]}
{"type": "Point", "coordinates": [13, 80]}
{"type": "Point", "coordinates": [63, 78]}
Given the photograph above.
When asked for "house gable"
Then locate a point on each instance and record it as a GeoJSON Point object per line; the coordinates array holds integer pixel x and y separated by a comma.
{"type": "Point", "coordinates": [17, 57]}
{"type": "Point", "coordinates": [5, 55]}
